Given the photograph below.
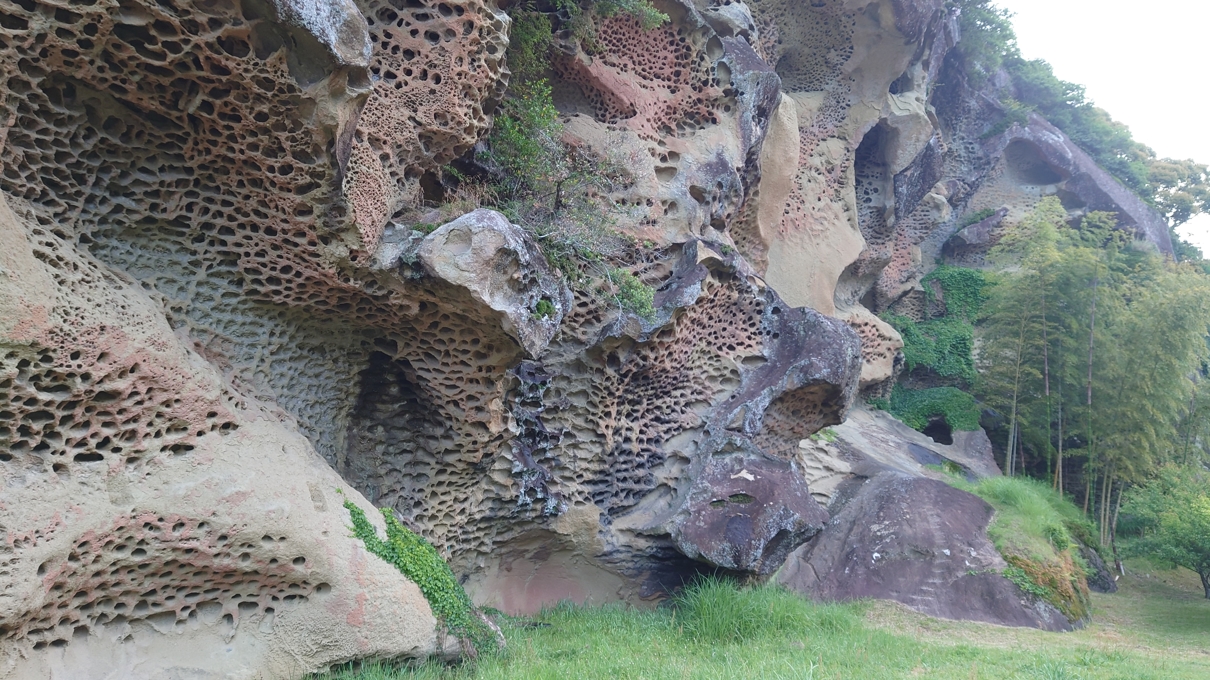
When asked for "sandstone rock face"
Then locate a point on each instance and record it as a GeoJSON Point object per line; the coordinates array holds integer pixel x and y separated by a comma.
{"type": "Point", "coordinates": [920, 542]}
{"type": "Point", "coordinates": [213, 322]}
{"type": "Point", "coordinates": [684, 108]}
{"type": "Point", "coordinates": [871, 442]}
{"type": "Point", "coordinates": [156, 523]}
{"type": "Point", "coordinates": [635, 423]}
{"type": "Point", "coordinates": [171, 168]}
{"type": "Point", "coordinates": [438, 70]}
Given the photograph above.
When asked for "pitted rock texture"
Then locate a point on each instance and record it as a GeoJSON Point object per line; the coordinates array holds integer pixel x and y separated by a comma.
{"type": "Point", "coordinates": [684, 108]}
{"type": "Point", "coordinates": [210, 309]}
{"type": "Point", "coordinates": [438, 72]}
{"type": "Point", "coordinates": [849, 72]}
{"type": "Point", "coordinates": [191, 292]}
{"type": "Point", "coordinates": [155, 522]}
{"type": "Point", "coordinates": [631, 412]}
{"type": "Point", "coordinates": [920, 542]}
{"type": "Point", "coordinates": [974, 168]}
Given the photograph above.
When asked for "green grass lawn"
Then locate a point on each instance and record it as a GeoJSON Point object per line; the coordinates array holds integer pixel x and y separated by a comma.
{"type": "Point", "coordinates": [1157, 626]}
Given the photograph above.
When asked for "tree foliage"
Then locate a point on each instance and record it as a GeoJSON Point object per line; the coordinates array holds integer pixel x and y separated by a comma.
{"type": "Point", "coordinates": [1173, 513]}
{"type": "Point", "coordinates": [1090, 347]}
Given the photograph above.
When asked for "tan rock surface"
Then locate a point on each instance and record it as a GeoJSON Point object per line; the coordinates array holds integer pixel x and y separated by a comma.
{"type": "Point", "coordinates": [155, 523]}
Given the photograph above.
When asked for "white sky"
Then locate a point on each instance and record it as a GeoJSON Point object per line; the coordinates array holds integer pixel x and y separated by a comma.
{"type": "Point", "coordinates": [1146, 63]}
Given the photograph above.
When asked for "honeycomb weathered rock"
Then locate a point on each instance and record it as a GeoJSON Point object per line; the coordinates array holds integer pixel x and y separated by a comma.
{"type": "Point", "coordinates": [152, 516]}
{"type": "Point", "coordinates": [438, 71]}
{"type": "Point", "coordinates": [210, 307]}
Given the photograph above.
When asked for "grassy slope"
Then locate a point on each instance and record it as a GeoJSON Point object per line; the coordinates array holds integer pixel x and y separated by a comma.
{"type": "Point", "coordinates": [1034, 529]}
{"type": "Point", "coordinates": [1155, 627]}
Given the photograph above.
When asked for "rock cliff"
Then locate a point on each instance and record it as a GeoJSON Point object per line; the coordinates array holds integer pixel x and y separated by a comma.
{"type": "Point", "coordinates": [215, 327]}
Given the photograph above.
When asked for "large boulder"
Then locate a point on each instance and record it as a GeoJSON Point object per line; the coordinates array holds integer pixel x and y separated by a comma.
{"type": "Point", "coordinates": [921, 542]}
{"type": "Point", "coordinates": [871, 441]}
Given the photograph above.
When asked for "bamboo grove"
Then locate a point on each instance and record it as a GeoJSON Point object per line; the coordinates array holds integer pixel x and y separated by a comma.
{"type": "Point", "coordinates": [1092, 350]}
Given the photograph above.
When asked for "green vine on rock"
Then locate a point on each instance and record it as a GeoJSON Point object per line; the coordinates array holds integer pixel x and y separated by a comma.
{"type": "Point", "coordinates": [965, 289]}
{"type": "Point", "coordinates": [418, 560]}
{"type": "Point", "coordinates": [942, 345]}
{"type": "Point", "coordinates": [917, 407]}
{"type": "Point", "coordinates": [945, 345]}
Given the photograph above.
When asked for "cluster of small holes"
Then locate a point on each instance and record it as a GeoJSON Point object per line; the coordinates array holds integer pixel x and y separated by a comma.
{"type": "Point", "coordinates": [807, 42]}
{"type": "Point", "coordinates": [430, 419]}
{"type": "Point", "coordinates": [170, 572]}
{"type": "Point", "coordinates": [872, 184]}
{"type": "Point", "coordinates": [181, 118]}
{"type": "Point", "coordinates": [627, 400]}
{"type": "Point", "coordinates": [438, 68]}
{"type": "Point", "coordinates": [876, 345]}
{"type": "Point", "coordinates": [912, 305]}
{"type": "Point", "coordinates": [987, 181]}
{"type": "Point", "coordinates": [206, 167]}
{"type": "Point", "coordinates": [176, 138]}
{"type": "Point", "coordinates": [673, 86]}
{"type": "Point", "coordinates": [873, 189]}
{"type": "Point", "coordinates": [797, 414]}
{"type": "Point", "coordinates": [87, 394]}
{"type": "Point", "coordinates": [746, 233]}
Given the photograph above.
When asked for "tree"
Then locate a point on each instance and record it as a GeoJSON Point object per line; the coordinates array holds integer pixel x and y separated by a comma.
{"type": "Point", "coordinates": [1090, 338]}
{"type": "Point", "coordinates": [1174, 513]}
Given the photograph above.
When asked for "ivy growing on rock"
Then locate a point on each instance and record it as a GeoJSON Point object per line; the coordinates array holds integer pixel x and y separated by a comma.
{"type": "Point", "coordinates": [945, 345]}
{"type": "Point", "coordinates": [942, 346]}
{"type": "Point", "coordinates": [964, 290]}
{"type": "Point", "coordinates": [418, 560]}
{"type": "Point", "coordinates": [917, 407]}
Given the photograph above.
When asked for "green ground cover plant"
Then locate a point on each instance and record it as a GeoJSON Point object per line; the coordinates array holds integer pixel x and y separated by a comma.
{"type": "Point", "coordinates": [916, 408]}
{"type": "Point", "coordinates": [1035, 529]}
{"type": "Point", "coordinates": [416, 559]}
{"type": "Point", "coordinates": [945, 345]}
{"type": "Point", "coordinates": [1154, 628]}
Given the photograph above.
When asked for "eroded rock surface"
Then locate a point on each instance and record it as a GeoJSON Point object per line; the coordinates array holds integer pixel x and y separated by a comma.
{"type": "Point", "coordinates": [157, 523]}
{"type": "Point", "coordinates": [640, 418]}
{"type": "Point", "coordinates": [212, 316]}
